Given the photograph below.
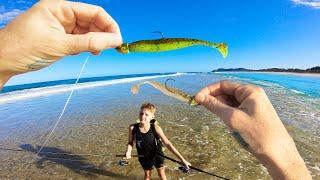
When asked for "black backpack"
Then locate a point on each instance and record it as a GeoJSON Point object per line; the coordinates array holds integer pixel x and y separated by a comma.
{"type": "Point", "coordinates": [152, 126]}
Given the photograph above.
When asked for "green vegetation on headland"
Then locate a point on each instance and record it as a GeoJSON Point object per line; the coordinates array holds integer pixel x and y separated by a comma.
{"type": "Point", "coordinates": [310, 70]}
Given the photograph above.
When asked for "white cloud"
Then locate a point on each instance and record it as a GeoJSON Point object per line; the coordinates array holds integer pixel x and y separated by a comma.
{"type": "Point", "coordinates": [9, 15]}
{"type": "Point", "coordinates": [310, 3]}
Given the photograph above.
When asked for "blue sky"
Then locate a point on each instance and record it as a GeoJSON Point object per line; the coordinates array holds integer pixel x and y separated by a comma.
{"type": "Point", "coordinates": [260, 34]}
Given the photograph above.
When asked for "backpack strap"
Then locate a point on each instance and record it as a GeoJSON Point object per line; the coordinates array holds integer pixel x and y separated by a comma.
{"type": "Point", "coordinates": [134, 130]}
{"type": "Point", "coordinates": [153, 121]}
{"type": "Point", "coordinates": [157, 138]}
{"type": "Point", "coordinates": [153, 128]}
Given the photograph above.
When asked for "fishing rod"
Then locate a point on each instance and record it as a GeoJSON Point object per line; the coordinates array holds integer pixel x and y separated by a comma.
{"type": "Point", "coordinates": [55, 153]}
{"type": "Point", "coordinates": [71, 154]}
{"type": "Point", "coordinates": [122, 155]}
{"type": "Point", "coordinates": [121, 162]}
{"type": "Point", "coordinates": [124, 162]}
{"type": "Point", "coordinates": [191, 167]}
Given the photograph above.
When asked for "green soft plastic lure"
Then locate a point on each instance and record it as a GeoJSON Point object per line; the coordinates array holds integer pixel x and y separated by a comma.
{"type": "Point", "coordinates": [169, 91]}
{"type": "Point", "coordinates": [168, 44]}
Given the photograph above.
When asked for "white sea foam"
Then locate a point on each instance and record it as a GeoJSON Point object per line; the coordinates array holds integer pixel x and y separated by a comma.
{"type": "Point", "coordinates": [253, 81]}
{"type": "Point", "coordinates": [296, 91]}
{"type": "Point", "coordinates": [44, 91]}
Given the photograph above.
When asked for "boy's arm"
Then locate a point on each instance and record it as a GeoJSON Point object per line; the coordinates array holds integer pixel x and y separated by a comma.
{"type": "Point", "coordinates": [130, 143]}
{"type": "Point", "coordinates": [169, 145]}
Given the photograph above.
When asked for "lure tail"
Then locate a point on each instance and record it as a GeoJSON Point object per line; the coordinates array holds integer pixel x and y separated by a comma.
{"type": "Point", "coordinates": [136, 87]}
{"type": "Point", "coordinates": [222, 48]}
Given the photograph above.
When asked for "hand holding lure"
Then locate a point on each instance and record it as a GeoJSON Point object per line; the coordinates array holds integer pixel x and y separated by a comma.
{"type": "Point", "coordinates": [168, 44]}
{"type": "Point", "coordinates": [169, 91]}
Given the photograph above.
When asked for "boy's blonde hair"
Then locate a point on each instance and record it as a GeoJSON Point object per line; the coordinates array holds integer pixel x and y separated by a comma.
{"type": "Point", "coordinates": [149, 107]}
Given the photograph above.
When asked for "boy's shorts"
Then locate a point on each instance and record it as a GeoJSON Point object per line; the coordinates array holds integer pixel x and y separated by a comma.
{"type": "Point", "coordinates": [148, 163]}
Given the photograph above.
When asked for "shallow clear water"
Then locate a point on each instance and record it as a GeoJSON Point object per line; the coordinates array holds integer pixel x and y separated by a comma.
{"type": "Point", "coordinates": [307, 84]}
{"type": "Point", "coordinates": [97, 119]}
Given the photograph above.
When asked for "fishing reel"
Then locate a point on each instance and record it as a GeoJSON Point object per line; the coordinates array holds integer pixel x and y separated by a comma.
{"type": "Point", "coordinates": [184, 169]}
{"type": "Point", "coordinates": [123, 162]}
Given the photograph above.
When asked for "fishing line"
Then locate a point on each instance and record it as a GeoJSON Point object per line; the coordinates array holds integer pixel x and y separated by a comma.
{"type": "Point", "coordinates": [64, 108]}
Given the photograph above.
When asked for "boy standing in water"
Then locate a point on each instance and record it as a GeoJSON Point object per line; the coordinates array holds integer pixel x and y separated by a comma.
{"type": "Point", "coordinates": [147, 135]}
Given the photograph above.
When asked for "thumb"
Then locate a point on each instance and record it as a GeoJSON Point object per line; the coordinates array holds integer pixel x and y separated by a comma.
{"type": "Point", "coordinates": [187, 165]}
{"type": "Point", "coordinates": [92, 41]}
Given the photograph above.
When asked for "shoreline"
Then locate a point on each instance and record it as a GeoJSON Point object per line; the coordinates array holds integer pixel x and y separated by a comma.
{"type": "Point", "coordinates": [274, 72]}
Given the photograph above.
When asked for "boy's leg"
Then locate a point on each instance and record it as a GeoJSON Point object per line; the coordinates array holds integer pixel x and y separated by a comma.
{"type": "Point", "coordinates": [162, 173]}
{"type": "Point", "coordinates": [147, 174]}
{"type": "Point", "coordinates": [147, 167]}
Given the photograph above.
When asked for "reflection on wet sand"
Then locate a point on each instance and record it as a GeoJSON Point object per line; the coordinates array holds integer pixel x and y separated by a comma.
{"type": "Point", "coordinates": [76, 163]}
